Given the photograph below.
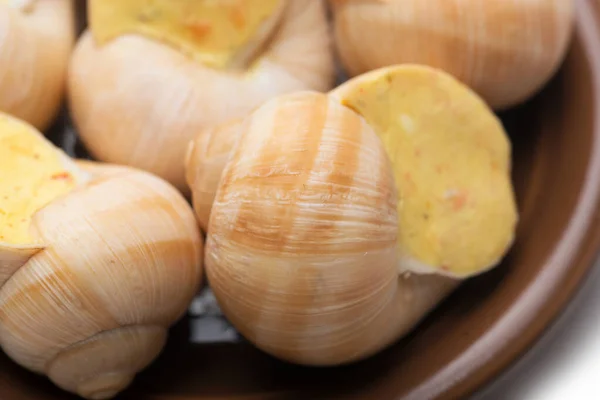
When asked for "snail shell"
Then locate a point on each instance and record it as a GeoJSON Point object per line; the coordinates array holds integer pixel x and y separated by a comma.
{"type": "Point", "coordinates": [301, 245]}
{"type": "Point", "coordinates": [505, 50]}
{"type": "Point", "coordinates": [36, 39]}
{"type": "Point", "coordinates": [336, 222]}
{"type": "Point", "coordinates": [111, 266]}
{"type": "Point", "coordinates": [152, 107]}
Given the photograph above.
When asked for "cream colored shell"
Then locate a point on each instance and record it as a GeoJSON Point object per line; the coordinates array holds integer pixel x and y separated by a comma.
{"type": "Point", "coordinates": [138, 102]}
{"type": "Point", "coordinates": [36, 39]}
{"type": "Point", "coordinates": [505, 50]}
{"type": "Point", "coordinates": [121, 260]}
{"type": "Point", "coordinates": [305, 263]}
{"type": "Point", "coordinates": [205, 160]}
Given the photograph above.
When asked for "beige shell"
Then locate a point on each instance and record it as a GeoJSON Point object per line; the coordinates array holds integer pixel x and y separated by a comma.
{"type": "Point", "coordinates": [505, 50]}
{"type": "Point", "coordinates": [205, 160]}
{"type": "Point", "coordinates": [120, 260]}
{"type": "Point", "coordinates": [301, 244]}
{"type": "Point", "coordinates": [151, 107]}
{"type": "Point", "coordinates": [36, 39]}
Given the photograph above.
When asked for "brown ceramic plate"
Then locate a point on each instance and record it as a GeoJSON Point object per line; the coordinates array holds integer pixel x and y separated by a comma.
{"type": "Point", "coordinates": [479, 330]}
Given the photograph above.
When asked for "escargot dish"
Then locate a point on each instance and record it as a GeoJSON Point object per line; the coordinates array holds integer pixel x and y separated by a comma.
{"type": "Point", "coordinates": [96, 263]}
{"type": "Point", "coordinates": [504, 50]}
{"type": "Point", "coordinates": [36, 39]}
{"type": "Point", "coordinates": [147, 76]}
{"type": "Point", "coordinates": [335, 222]}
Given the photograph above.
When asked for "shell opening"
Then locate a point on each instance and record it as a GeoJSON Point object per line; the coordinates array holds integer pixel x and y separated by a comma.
{"type": "Point", "coordinates": [451, 162]}
{"type": "Point", "coordinates": [220, 34]}
{"type": "Point", "coordinates": [33, 173]}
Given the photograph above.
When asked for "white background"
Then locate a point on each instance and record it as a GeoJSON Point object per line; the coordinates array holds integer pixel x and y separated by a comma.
{"type": "Point", "coordinates": [565, 363]}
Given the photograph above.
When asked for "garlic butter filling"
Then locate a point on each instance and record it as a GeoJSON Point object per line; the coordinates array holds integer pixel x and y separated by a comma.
{"type": "Point", "coordinates": [32, 174]}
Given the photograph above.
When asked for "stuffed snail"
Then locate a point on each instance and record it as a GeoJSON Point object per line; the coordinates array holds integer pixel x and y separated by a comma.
{"type": "Point", "coordinates": [336, 222]}
{"type": "Point", "coordinates": [505, 50]}
{"type": "Point", "coordinates": [155, 73]}
{"type": "Point", "coordinates": [36, 39]}
{"type": "Point", "coordinates": [96, 263]}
